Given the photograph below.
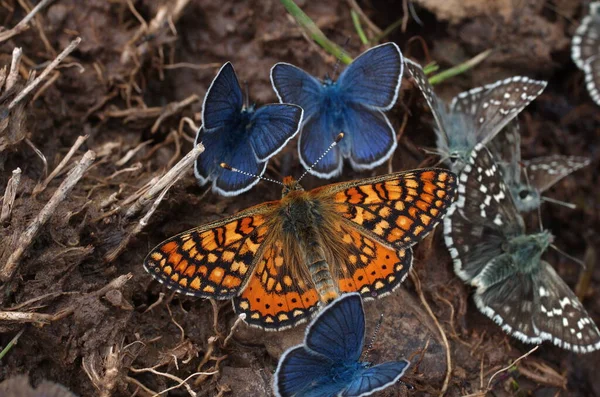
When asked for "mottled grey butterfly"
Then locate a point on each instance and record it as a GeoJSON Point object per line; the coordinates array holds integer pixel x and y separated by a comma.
{"type": "Point", "coordinates": [585, 48]}
{"type": "Point", "coordinates": [491, 251]}
{"type": "Point", "coordinates": [528, 179]}
{"type": "Point", "coordinates": [474, 116]}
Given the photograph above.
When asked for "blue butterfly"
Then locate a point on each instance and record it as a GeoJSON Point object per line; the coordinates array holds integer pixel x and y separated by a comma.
{"type": "Point", "coordinates": [354, 105]}
{"type": "Point", "coordinates": [240, 135]}
{"type": "Point", "coordinates": [327, 363]}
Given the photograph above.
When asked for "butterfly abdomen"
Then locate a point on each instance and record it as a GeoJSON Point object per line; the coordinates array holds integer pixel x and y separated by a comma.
{"type": "Point", "coordinates": [302, 222]}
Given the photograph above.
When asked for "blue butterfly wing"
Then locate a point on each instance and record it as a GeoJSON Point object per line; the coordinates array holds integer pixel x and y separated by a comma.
{"type": "Point", "coordinates": [272, 127]}
{"type": "Point", "coordinates": [339, 330]}
{"type": "Point", "coordinates": [373, 79]}
{"type": "Point", "coordinates": [231, 183]}
{"type": "Point", "coordinates": [369, 380]}
{"type": "Point", "coordinates": [223, 101]}
{"type": "Point", "coordinates": [240, 156]}
{"type": "Point", "coordinates": [306, 374]}
{"type": "Point", "coordinates": [318, 133]}
{"type": "Point", "coordinates": [294, 85]}
{"type": "Point", "coordinates": [371, 139]}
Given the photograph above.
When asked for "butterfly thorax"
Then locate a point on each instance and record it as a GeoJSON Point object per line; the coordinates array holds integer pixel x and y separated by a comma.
{"type": "Point", "coordinates": [246, 117]}
{"type": "Point", "coordinates": [301, 220]}
{"type": "Point", "coordinates": [459, 139]}
{"type": "Point", "coordinates": [526, 250]}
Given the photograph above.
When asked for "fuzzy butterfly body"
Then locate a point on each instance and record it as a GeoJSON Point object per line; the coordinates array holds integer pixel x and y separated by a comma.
{"type": "Point", "coordinates": [515, 287]}
{"type": "Point", "coordinates": [528, 179]}
{"type": "Point", "coordinates": [279, 259]}
{"type": "Point", "coordinates": [327, 363]}
{"type": "Point", "coordinates": [240, 135]}
{"type": "Point", "coordinates": [585, 48]}
{"type": "Point", "coordinates": [474, 116]}
{"type": "Point", "coordinates": [354, 104]}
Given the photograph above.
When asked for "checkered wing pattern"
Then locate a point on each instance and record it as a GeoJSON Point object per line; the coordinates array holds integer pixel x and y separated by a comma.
{"type": "Point", "coordinates": [515, 288]}
{"type": "Point", "coordinates": [585, 48]}
{"type": "Point", "coordinates": [506, 149]}
{"type": "Point", "coordinates": [543, 172]}
{"type": "Point", "coordinates": [493, 106]}
{"type": "Point", "coordinates": [586, 41]}
{"type": "Point", "coordinates": [482, 218]}
{"type": "Point", "coordinates": [438, 108]}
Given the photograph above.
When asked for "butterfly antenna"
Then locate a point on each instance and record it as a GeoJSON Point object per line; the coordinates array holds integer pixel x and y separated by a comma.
{"type": "Point", "coordinates": [247, 96]}
{"type": "Point", "coordinates": [559, 202]}
{"type": "Point", "coordinates": [230, 168]}
{"type": "Point", "coordinates": [370, 347]}
{"type": "Point", "coordinates": [337, 63]}
{"type": "Point", "coordinates": [576, 260]}
{"type": "Point", "coordinates": [335, 142]}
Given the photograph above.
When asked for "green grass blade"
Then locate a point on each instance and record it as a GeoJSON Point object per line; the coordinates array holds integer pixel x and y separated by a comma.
{"type": "Point", "coordinates": [314, 32]}
{"type": "Point", "coordinates": [358, 27]}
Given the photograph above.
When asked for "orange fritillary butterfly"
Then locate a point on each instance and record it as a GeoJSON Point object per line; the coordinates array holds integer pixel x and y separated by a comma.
{"type": "Point", "coordinates": [279, 259]}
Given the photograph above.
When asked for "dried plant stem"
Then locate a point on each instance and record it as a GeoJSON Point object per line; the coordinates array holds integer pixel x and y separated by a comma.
{"type": "Point", "coordinates": [13, 74]}
{"type": "Point", "coordinates": [24, 23]}
{"type": "Point", "coordinates": [415, 279]}
{"type": "Point", "coordinates": [161, 187]}
{"type": "Point", "coordinates": [237, 323]}
{"type": "Point", "coordinates": [45, 72]}
{"type": "Point", "coordinates": [166, 14]}
{"type": "Point", "coordinates": [9, 196]}
{"type": "Point", "coordinates": [168, 179]}
{"type": "Point", "coordinates": [41, 186]}
{"type": "Point", "coordinates": [27, 317]}
{"type": "Point", "coordinates": [29, 234]}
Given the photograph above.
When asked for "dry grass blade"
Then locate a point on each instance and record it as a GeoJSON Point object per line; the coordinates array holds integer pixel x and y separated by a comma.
{"type": "Point", "coordinates": [24, 23]}
{"type": "Point", "coordinates": [30, 87]}
{"type": "Point", "coordinates": [40, 187]}
{"type": "Point", "coordinates": [9, 196]}
{"type": "Point", "coordinates": [8, 269]}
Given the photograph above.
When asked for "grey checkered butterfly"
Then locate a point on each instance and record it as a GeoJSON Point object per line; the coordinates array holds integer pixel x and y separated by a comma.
{"type": "Point", "coordinates": [491, 251]}
{"type": "Point", "coordinates": [528, 179]}
{"type": "Point", "coordinates": [585, 48]}
{"type": "Point", "coordinates": [474, 116]}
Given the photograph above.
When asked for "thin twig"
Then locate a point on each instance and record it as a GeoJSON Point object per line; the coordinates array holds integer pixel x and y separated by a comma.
{"type": "Point", "coordinates": [24, 23]}
{"type": "Point", "coordinates": [171, 109]}
{"type": "Point", "coordinates": [45, 73]}
{"type": "Point", "coordinates": [130, 153]}
{"type": "Point", "coordinates": [42, 318]}
{"type": "Point", "coordinates": [13, 74]}
{"type": "Point", "coordinates": [49, 209]}
{"type": "Point", "coordinates": [9, 196]}
{"type": "Point", "coordinates": [415, 279]}
{"type": "Point", "coordinates": [170, 177]}
{"type": "Point", "coordinates": [237, 323]}
{"type": "Point", "coordinates": [41, 187]}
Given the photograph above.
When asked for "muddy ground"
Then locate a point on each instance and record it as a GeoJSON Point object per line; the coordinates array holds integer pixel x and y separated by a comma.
{"type": "Point", "coordinates": [120, 88]}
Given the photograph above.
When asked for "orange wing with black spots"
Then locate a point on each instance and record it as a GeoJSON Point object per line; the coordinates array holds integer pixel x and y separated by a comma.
{"type": "Point", "coordinates": [213, 260]}
{"type": "Point", "coordinates": [276, 298]}
{"type": "Point", "coordinates": [370, 268]}
{"type": "Point", "coordinates": [397, 210]}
